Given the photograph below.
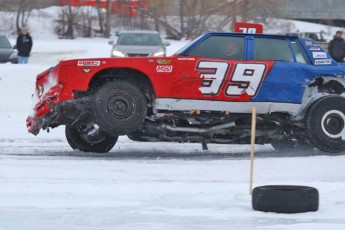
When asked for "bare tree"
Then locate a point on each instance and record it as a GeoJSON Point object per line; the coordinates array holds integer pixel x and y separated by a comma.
{"type": "Point", "coordinates": [66, 21]}
{"type": "Point", "coordinates": [107, 29]}
{"type": "Point", "coordinates": [70, 14]}
{"type": "Point", "coordinates": [190, 18]}
{"type": "Point", "coordinates": [23, 13]}
{"type": "Point", "coordinates": [100, 16]}
{"type": "Point", "coordinates": [87, 15]}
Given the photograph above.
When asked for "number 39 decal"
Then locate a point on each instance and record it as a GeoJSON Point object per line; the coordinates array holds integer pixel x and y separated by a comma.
{"type": "Point", "coordinates": [245, 78]}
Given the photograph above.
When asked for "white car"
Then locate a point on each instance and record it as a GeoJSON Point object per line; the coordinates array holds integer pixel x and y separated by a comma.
{"type": "Point", "coordinates": [138, 43]}
{"type": "Point", "coordinates": [7, 52]}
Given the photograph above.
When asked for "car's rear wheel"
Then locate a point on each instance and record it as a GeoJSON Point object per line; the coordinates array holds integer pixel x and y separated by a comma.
{"type": "Point", "coordinates": [89, 139]}
{"type": "Point", "coordinates": [325, 124]}
{"type": "Point", "coordinates": [119, 107]}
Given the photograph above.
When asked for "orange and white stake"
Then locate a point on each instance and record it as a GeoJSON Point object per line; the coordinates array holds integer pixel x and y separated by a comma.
{"type": "Point", "coordinates": [252, 149]}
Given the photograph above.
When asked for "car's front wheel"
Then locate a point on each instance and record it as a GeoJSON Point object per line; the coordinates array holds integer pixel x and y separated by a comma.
{"type": "Point", "coordinates": [89, 139]}
{"type": "Point", "coordinates": [119, 107]}
{"type": "Point", "coordinates": [325, 124]}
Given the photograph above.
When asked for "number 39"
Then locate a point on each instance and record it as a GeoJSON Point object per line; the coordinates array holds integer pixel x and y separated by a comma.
{"type": "Point", "coordinates": [246, 78]}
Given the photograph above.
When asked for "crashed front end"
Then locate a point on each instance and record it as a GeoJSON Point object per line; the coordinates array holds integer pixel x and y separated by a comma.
{"type": "Point", "coordinates": [50, 100]}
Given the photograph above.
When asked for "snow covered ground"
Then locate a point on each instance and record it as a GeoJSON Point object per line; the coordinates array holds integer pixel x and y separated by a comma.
{"type": "Point", "coordinates": [46, 185]}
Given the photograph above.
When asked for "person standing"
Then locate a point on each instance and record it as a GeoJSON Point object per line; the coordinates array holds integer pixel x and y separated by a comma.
{"type": "Point", "coordinates": [336, 47]}
{"type": "Point", "coordinates": [24, 45]}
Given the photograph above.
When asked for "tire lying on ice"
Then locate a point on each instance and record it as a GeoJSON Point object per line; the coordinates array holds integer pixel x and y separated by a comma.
{"type": "Point", "coordinates": [325, 124]}
{"type": "Point", "coordinates": [285, 199]}
{"type": "Point", "coordinates": [89, 139]}
{"type": "Point", "coordinates": [119, 107]}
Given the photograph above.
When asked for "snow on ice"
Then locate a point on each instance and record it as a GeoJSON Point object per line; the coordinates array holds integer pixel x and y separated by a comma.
{"type": "Point", "coordinates": [46, 185]}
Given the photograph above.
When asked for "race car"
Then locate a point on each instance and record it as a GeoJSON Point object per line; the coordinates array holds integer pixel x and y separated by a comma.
{"type": "Point", "coordinates": [202, 94]}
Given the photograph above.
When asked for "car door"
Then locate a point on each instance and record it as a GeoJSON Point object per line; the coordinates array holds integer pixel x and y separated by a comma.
{"type": "Point", "coordinates": [290, 67]}
{"type": "Point", "coordinates": [213, 73]}
{"type": "Point", "coordinates": [215, 69]}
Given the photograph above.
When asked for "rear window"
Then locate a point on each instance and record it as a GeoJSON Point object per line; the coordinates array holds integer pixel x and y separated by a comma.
{"type": "Point", "coordinates": [301, 56]}
{"type": "Point", "coordinates": [4, 43]}
{"type": "Point", "coordinates": [272, 49]}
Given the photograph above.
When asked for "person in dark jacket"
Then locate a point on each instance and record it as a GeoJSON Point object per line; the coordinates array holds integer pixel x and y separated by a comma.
{"type": "Point", "coordinates": [24, 45]}
{"type": "Point", "coordinates": [336, 47]}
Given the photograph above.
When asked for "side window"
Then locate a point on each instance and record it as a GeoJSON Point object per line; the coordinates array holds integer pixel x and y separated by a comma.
{"type": "Point", "coordinates": [301, 56]}
{"type": "Point", "coordinates": [272, 49]}
{"type": "Point", "coordinates": [222, 47]}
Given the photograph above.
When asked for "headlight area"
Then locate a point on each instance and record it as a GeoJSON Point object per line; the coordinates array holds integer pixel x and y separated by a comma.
{"type": "Point", "coordinates": [116, 53]}
{"type": "Point", "coordinates": [39, 90]}
{"type": "Point", "coordinates": [159, 54]}
{"type": "Point", "coordinates": [54, 95]}
{"type": "Point", "coordinates": [14, 54]}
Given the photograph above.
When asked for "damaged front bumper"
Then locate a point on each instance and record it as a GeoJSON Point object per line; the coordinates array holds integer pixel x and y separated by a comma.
{"type": "Point", "coordinates": [49, 108]}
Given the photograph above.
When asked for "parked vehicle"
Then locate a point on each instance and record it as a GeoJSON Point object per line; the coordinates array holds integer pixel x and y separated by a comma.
{"type": "Point", "coordinates": [138, 43]}
{"type": "Point", "coordinates": [7, 52]}
{"type": "Point", "coordinates": [204, 93]}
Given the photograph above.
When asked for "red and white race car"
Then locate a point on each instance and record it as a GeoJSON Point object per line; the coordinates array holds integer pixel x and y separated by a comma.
{"type": "Point", "coordinates": [204, 93]}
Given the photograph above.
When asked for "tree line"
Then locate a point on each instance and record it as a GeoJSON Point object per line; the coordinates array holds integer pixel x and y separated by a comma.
{"type": "Point", "coordinates": [177, 18]}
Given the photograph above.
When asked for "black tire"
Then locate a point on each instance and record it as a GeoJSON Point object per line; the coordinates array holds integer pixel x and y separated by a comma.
{"type": "Point", "coordinates": [325, 124]}
{"type": "Point", "coordinates": [119, 107]}
{"type": "Point", "coordinates": [285, 199]}
{"type": "Point", "coordinates": [101, 143]}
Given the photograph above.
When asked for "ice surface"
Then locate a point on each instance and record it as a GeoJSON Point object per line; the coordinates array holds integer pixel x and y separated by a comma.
{"type": "Point", "coordinates": [44, 185]}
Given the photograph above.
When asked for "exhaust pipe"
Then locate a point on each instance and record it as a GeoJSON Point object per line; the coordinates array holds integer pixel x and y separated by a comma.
{"type": "Point", "coordinates": [199, 130]}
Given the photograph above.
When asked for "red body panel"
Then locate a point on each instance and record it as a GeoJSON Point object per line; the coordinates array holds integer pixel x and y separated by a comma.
{"type": "Point", "coordinates": [173, 77]}
{"type": "Point", "coordinates": [181, 79]}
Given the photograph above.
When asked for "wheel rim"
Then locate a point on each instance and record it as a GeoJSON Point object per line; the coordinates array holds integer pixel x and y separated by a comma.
{"type": "Point", "coordinates": [333, 123]}
{"type": "Point", "coordinates": [121, 106]}
{"type": "Point", "coordinates": [92, 135]}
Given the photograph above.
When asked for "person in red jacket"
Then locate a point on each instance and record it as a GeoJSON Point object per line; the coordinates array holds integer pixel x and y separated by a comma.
{"type": "Point", "coordinates": [24, 46]}
{"type": "Point", "coordinates": [336, 47]}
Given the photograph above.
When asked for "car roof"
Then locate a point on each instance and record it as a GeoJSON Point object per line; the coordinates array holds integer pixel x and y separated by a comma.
{"type": "Point", "coordinates": [138, 32]}
{"type": "Point", "coordinates": [256, 35]}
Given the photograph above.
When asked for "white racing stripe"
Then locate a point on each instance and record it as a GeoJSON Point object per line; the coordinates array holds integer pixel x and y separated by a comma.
{"type": "Point", "coordinates": [234, 107]}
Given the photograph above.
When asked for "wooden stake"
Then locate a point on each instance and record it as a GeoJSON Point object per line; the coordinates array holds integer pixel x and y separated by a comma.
{"type": "Point", "coordinates": [252, 149]}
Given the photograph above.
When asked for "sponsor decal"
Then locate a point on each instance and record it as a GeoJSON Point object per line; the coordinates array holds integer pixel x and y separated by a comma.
{"type": "Point", "coordinates": [89, 63]}
{"type": "Point", "coordinates": [314, 48]}
{"type": "Point", "coordinates": [308, 42]}
{"type": "Point", "coordinates": [319, 54]}
{"type": "Point", "coordinates": [323, 62]}
{"type": "Point", "coordinates": [86, 70]}
{"type": "Point", "coordinates": [163, 61]}
{"type": "Point", "coordinates": [186, 59]}
{"type": "Point", "coordinates": [164, 68]}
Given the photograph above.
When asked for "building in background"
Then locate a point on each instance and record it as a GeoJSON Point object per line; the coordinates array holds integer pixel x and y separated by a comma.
{"type": "Point", "coordinates": [117, 6]}
{"type": "Point", "coordinates": [330, 12]}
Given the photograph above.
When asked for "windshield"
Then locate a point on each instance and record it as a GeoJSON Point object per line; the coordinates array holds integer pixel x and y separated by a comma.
{"type": "Point", "coordinates": [4, 43]}
{"type": "Point", "coordinates": [139, 39]}
{"type": "Point", "coordinates": [187, 45]}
